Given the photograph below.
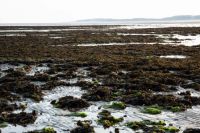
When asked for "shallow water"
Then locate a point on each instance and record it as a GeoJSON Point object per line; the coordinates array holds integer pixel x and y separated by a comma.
{"type": "Point", "coordinates": [56, 118]}
{"type": "Point", "coordinates": [4, 67]}
{"type": "Point", "coordinates": [162, 25]}
{"type": "Point", "coordinates": [47, 114]}
{"type": "Point", "coordinates": [37, 69]}
{"type": "Point", "coordinates": [182, 40]}
{"type": "Point", "coordinates": [189, 40]}
{"type": "Point", "coordinates": [50, 116]}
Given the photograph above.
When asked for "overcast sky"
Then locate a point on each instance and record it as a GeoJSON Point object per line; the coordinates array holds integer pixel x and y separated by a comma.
{"type": "Point", "coordinates": [51, 11]}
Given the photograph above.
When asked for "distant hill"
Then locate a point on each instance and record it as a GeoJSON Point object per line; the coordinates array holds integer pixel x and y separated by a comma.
{"type": "Point", "coordinates": [183, 17]}
{"type": "Point", "coordinates": [111, 21]}
{"type": "Point", "coordinates": [135, 20]}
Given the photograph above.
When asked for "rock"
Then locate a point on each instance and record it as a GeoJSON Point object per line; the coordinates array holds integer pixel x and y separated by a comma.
{"type": "Point", "coordinates": [20, 119]}
{"type": "Point", "coordinates": [71, 103]}
{"type": "Point", "coordinates": [54, 83]}
{"type": "Point", "coordinates": [24, 88]}
{"type": "Point", "coordinates": [99, 94]}
{"type": "Point", "coordinates": [187, 93]}
{"type": "Point", "coordinates": [83, 127]}
{"type": "Point", "coordinates": [16, 74]}
{"type": "Point", "coordinates": [107, 120]}
{"type": "Point", "coordinates": [194, 86]}
{"type": "Point", "coordinates": [192, 130]}
{"type": "Point", "coordinates": [41, 77]}
{"type": "Point", "coordinates": [85, 84]}
{"type": "Point", "coordinates": [116, 130]}
{"type": "Point", "coordinates": [167, 101]}
{"type": "Point", "coordinates": [44, 130]}
{"type": "Point", "coordinates": [5, 106]}
{"type": "Point", "coordinates": [4, 94]}
{"type": "Point", "coordinates": [13, 76]}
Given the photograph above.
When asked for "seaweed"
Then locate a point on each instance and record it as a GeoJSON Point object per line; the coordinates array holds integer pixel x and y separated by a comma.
{"type": "Point", "coordinates": [107, 120]}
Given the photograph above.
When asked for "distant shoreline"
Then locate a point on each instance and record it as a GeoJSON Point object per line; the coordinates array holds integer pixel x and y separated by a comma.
{"type": "Point", "coordinates": [103, 23]}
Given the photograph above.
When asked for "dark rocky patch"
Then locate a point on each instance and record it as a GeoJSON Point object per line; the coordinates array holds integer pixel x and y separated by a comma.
{"type": "Point", "coordinates": [194, 86]}
{"type": "Point", "coordinates": [107, 120]}
{"type": "Point", "coordinates": [23, 88]}
{"type": "Point", "coordinates": [54, 83]}
{"type": "Point", "coordinates": [98, 94]}
{"type": "Point", "coordinates": [71, 103]}
{"type": "Point", "coordinates": [44, 130]}
{"type": "Point", "coordinates": [83, 127]}
{"type": "Point", "coordinates": [190, 130]}
{"type": "Point", "coordinates": [20, 119]}
{"type": "Point", "coordinates": [166, 101]}
{"type": "Point", "coordinates": [40, 77]}
{"type": "Point", "coordinates": [6, 107]}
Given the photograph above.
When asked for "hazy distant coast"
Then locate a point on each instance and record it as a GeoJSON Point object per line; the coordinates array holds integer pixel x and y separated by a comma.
{"type": "Point", "coordinates": [182, 19]}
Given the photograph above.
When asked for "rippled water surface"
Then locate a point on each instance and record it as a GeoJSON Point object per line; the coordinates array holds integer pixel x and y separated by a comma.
{"type": "Point", "coordinates": [48, 115]}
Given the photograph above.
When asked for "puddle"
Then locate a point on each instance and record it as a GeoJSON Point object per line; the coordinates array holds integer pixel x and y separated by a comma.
{"type": "Point", "coordinates": [56, 37]}
{"type": "Point", "coordinates": [180, 40]}
{"type": "Point", "coordinates": [4, 67]}
{"type": "Point", "coordinates": [37, 69]}
{"type": "Point", "coordinates": [12, 34]}
{"type": "Point", "coordinates": [2, 74]}
{"type": "Point", "coordinates": [110, 44]}
{"type": "Point", "coordinates": [63, 91]}
{"type": "Point", "coordinates": [188, 40]}
{"type": "Point", "coordinates": [27, 30]}
{"type": "Point", "coordinates": [133, 34]}
{"type": "Point", "coordinates": [70, 81]}
{"type": "Point", "coordinates": [82, 72]}
{"type": "Point", "coordinates": [38, 83]}
{"type": "Point", "coordinates": [174, 56]}
{"type": "Point", "coordinates": [102, 44]}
